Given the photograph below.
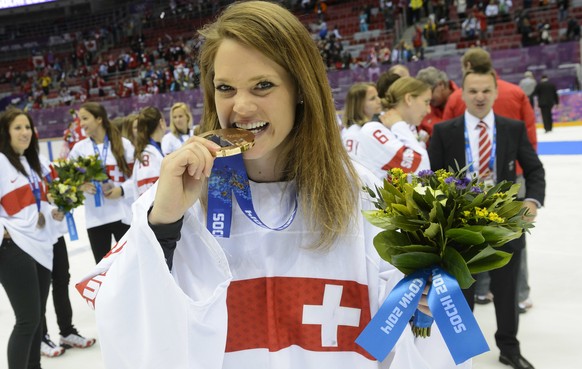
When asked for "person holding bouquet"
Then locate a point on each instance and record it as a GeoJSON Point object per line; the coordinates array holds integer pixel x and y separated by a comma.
{"type": "Point", "coordinates": [151, 127]}
{"type": "Point", "coordinates": [220, 291]}
{"type": "Point", "coordinates": [491, 145]}
{"type": "Point", "coordinates": [26, 251]}
{"type": "Point", "coordinates": [60, 278]}
{"type": "Point", "coordinates": [107, 205]}
{"type": "Point", "coordinates": [180, 126]}
{"type": "Point", "coordinates": [391, 143]}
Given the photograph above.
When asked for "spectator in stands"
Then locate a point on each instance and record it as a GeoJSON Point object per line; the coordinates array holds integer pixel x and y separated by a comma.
{"type": "Point", "coordinates": [573, 30]}
{"type": "Point", "coordinates": [492, 11]}
{"type": "Point", "coordinates": [362, 103]}
{"type": "Point", "coordinates": [470, 27]}
{"type": "Point", "coordinates": [443, 32]}
{"type": "Point", "coordinates": [461, 9]}
{"type": "Point", "coordinates": [547, 95]}
{"type": "Point", "coordinates": [544, 32]}
{"type": "Point", "coordinates": [528, 85]}
{"type": "Point", "coordinates": [418, 43]}
{"type": "Point", "coordinates": [527, 32]}
{"type": "Point", "coordinates": [363, 21]}
{"type": "Point", "coordinates": [562, 9]}
{"type": "Point", "coordinates": [441, 88]}
{"type": "Point", "coordinates": [430, 31]}
{"type": "Point", "coordinates": [505, 9]}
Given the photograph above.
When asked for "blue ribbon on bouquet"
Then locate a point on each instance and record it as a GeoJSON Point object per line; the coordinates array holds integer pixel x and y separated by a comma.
{"type": "Point", "coordinates": [229, 175]}
{"type": "Point", "coordinates": [72, 228]}
{"type": "Point", "coordinates": [449, 308]}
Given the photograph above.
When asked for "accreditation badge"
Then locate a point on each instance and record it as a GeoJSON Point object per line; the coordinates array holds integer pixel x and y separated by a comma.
{"type": "Point", "coordinates": [232, 141]}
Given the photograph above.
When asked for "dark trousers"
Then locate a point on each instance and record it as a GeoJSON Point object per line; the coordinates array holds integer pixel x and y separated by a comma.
{"type": "Point", "coordinates": [60, 280]}
{"type": "Point", "coordinates": [504, 288]}
{"type": "Point", "coordinates": [547, 117]}
{"type": "Point", "coordinates": [100, 237]}
{"type": "Point", "coordinates": [26, 283]}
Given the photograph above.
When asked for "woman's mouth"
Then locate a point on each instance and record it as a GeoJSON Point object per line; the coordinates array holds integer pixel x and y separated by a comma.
{"type": "Point", "coordinates": [254, 127]}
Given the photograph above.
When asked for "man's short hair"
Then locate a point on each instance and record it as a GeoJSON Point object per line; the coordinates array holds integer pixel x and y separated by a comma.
{"type": "Point", "coordinates": [476, 57]}
{"type": "Point", "coordinates": [432, 76]}
{"type": "Point", "coordinates": [480, 71]}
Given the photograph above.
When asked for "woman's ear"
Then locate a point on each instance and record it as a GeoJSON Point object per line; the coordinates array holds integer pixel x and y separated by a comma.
{"type": "Point", "coordinates": [408, 99]}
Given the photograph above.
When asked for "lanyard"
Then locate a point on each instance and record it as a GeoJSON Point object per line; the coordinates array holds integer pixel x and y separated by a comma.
{"type": "Point", "coordinates": [103, 156]}
{"type": "Point", "coordinates": [34, 182]}
{"type": "Point", "coordinates": [157, 146]}
{"type": "Point", "coordinates": [469, 155]}
{"type": "Point", "coordinates": [181, 136]}
{"type": "Point", "coordinates": [229, 175]}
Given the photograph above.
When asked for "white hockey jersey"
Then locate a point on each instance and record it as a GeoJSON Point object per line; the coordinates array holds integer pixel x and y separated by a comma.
{"type": "Point", "coordinates": [171, 142]}
{"type": "Point", "coordinates": [147, 171]}
{"type": "Point", "coordinates": [259, 299]}
{"type": "Point", "coordinates": [110, 210]}
{"type": "Point", "coordinates": [380, 148]}
{"type": "Point", "coordinates": [19, 212]}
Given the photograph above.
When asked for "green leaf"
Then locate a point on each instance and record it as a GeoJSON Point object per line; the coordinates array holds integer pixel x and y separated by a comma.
{"type": "Point", "coordinates": [465, 236]}
{"type": "Point", "coordinates": [490, 262]}
{"type": "Point", "coordinates": [510, 209]}
{"type": "Point", "coordinates": [413, 261]}
{"type": "Point", "coordinates": [378, 218]}
{"type": "Point", "coordinates": [454, 263]}
{"type": "Point", "coordinates": [433, 231]}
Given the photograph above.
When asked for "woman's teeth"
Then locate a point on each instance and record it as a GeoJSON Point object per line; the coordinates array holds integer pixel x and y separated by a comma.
{"type": "Point", "coordinates": [254, 127]}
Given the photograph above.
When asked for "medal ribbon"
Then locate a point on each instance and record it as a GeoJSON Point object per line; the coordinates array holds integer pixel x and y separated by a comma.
{"type": "Point", "coordinates": [157, 146]}
{"type": "Point", "coordinates": [103, 156]}
{"type": "Point", "coordinates": [229, 175]}
{"type": "Point", "coordinates": [34, 183]}
{"type": "Point", "coordinates": [449, 308]}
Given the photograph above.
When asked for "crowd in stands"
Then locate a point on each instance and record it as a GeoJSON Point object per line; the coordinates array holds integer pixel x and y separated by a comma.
{"type": "Point", "coordinates": [124, 59]}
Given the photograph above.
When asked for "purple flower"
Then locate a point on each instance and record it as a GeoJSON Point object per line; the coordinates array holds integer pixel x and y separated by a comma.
{"type": "Point", "coordinates": [425, 173]}
{"type": "Point", "coordinates": [450, 180]}
{"type": "Point", "coordinates": [476, 189]}
{"type": "Point", "coordinates": [81, 169]}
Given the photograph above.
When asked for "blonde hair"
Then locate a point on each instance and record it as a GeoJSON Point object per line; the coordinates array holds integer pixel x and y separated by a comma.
{"type": "Point", "coordinates": [313, 154]}
{"type": "Point", "coordinates": [354, 104]}
{"type": "Point", "coordinates": [183, 106]}
{"type": "Point", "coordinates": [402, 87]}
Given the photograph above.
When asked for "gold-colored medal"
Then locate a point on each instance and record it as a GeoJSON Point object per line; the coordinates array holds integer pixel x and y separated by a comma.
{"type": "Point", "coordinates": [41, 220]}
{"type": "Point", "coordinates": [232, 141]}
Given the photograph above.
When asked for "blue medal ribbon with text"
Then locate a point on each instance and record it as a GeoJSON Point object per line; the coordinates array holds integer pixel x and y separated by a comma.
{"type": "Point", "coordinates": [229, 175]}
{"type": "Point", "coordinates": [103, 156]}
{"type": "Point", "coordinates": [449, 308]}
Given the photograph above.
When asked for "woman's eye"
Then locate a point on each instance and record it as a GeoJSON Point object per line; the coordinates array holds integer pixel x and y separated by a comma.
{"type": "Point", "coordinates": [264, 85]}
{"type": "Point", "coordinates": [223, 88]}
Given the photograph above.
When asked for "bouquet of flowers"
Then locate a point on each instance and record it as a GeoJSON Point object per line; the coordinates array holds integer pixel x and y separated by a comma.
{"type": "Point", "coordinates": [445, 227]}
{"type": "Point", "coordinates": [71, 174]}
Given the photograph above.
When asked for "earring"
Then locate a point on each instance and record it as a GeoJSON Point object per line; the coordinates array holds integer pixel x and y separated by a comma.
{"type": "Point", "coordinates": [301, 102]}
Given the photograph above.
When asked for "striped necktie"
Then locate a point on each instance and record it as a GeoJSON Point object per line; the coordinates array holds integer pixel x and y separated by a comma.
{"type": "Point", "coordinates": [484, 150]}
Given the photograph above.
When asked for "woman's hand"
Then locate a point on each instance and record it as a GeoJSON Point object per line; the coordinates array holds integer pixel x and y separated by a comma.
{"type": "Point", "coordinates": [57, 215]}
{"type": "Point", "coordinates": [182, 179]}
{"type": "Point", "coordinates": [113, 193]}
{"type": "Point", "coordinates": [89, 188]}
{"type": "Point", "coordinates": [423, 304]}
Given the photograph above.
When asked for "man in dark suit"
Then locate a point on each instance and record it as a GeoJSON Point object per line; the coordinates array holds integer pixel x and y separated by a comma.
{"type": "Point", "coordinates": [547, 98]}
{"type": "Point", "coordinates": [457, 140]}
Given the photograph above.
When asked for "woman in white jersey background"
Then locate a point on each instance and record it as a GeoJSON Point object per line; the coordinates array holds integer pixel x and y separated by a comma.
{"type": "Point", "coordinates": [253, 299]}
{"type": "Point", "coordinates": [151, 127]}
{"type": "Point", "coordinates": [26, 251]}
{"type": "Point", "coordinates": [108, 204]}
{"type": "Point", "coordinates": [362, 104]}
{"type": "Point", "coordinates": [391, 143]}
{"type": "Point", "coordinates": [180, 128]}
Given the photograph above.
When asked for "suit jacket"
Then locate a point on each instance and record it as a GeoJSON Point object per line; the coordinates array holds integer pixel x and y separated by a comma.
{"type": "Point", "coordinates": [448, 144]}
{"type": "Point", "coordinates": [547, 94]}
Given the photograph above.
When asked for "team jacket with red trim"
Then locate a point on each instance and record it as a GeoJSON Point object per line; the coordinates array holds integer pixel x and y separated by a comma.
{"type": "Point", "coordinates": [171, 142]}
{"type": "Point", "coordinates": [19, 212]}
{"type": "Point", "coordinates": [110, 210]}
{"type": "Point", "coordinates": [147, 171]}
{"type": "Point", "coordinates": [380, 148]}
{"type": "Point", "coordinates": [259, 299]}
